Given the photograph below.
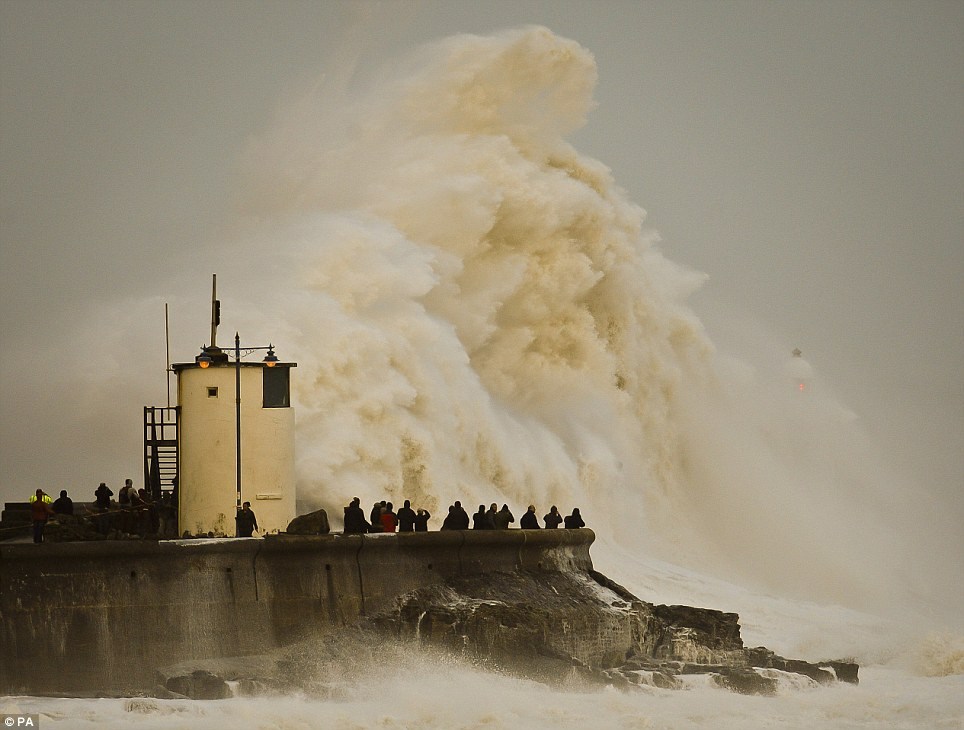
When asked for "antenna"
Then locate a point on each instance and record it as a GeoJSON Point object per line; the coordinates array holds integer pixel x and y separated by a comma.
{"type": "Point", "coordinates": [215, 311]}
{"type": "Point", "coordinates": [167, 347]}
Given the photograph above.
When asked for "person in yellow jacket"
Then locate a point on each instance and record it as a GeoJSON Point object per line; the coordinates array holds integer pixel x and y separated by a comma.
{"type": "Point", "coordinates": [40, 510]}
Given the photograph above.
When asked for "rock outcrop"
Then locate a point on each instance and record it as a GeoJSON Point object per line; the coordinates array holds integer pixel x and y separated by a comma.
{"type": "Point", "coordinates": [547, 625]}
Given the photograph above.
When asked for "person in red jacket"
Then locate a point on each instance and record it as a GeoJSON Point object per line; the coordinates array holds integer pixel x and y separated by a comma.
{"type": "Point", "coordinates": [389, 519]}
{"type": "Point", "coordinates": [40, 510]}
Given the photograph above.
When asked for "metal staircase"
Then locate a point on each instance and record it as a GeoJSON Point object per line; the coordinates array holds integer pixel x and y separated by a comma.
{"type": "Point", "coordinates": [160, 450]}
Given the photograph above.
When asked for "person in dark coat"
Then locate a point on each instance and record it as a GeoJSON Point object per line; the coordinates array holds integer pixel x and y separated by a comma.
{"type": "Point", "coordinates": [421, 520]}
{"type": "Point", "coordinates": [462, 517]}
{"type": "Point", "coordinates": [481, 520]}
{"type": "Point", "coordinates": [103, 495]}
{"type": "Point", "coordinates": [376, 516]}
{"type": "Point", "coordinates": [63, 505]}
{"type": "Point", "coordinates": [574, 520]}
{"type": "Point", "coordinates": [457, 518]}
{"type": "Point", "coordinates": [529, 520]}
{"type": "Point", "coordinates": [449, 523]}
{"type": "Point", "coordinates": [503, 518]}
{"type": "Point", "coordinates": [246, 521]}
{"type": "Point", "coordinates": [491, 514]}
{"type": "Point", "coordinates": [355, 522]}
{"type": "Point", "coordinates": [553, 519]}
{"type": "Point", "coordinates": [406, 518]}
{"type": "Point", "coordinates": [124, 496]}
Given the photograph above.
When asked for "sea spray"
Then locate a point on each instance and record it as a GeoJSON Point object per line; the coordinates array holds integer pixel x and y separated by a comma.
{"type": "Point", "coordinates": [479, 313]}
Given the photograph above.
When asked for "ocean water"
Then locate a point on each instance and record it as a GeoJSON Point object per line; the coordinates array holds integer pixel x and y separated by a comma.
{"type": "Point", "coordinates": [478, 312]}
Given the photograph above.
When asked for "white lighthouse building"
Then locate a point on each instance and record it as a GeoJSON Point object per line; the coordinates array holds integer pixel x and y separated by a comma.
{"type": "Point", "coordinates": [235, 441]}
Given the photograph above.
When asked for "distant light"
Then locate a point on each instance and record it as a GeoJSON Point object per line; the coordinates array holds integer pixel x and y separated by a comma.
{"type": "Point", "coordinates": [203, 360]}
{"type": "Point", "coordinates": [270, 359]}
{"type": "Point", "coordinates": [802, 387]}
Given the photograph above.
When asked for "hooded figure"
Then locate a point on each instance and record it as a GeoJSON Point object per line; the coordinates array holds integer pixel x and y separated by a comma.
{"type": "Point", "coordinates": [406, 518]}
{"type": "Point", "coordinates": [574, 520]}
{"type": "Point", "coordinates": [553, 519]}
{"type": "Point", "coordinates": [64, 505]}
{"type": "Point", "coordinates": [355, 522]}
{"type": "Point", "coordinates": [504, 518]}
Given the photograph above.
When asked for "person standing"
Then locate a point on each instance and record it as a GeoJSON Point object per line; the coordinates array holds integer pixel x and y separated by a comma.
{"type": "Point", "coordinates": [504, 518]}
{"type": "Point", "coordinates": [529, 520]}
{"type": "Point", "coordinates": [461, 516]}
{"type": "Point", "coordinates": [246, 520]}
{"type": "Point", "coordinates": [389, 519]}
{"type": "Point", "coordinates": [421, 520]}
{"type": "Point", "coordinates": [553, 519]}
{"type": "Point", "coordinates": [355, 522]}
{"type": "Point", "coordinates": [40, 511]}
{"type": "Point", "coordinates": [376, 516]}
{"type": "Point", "coordinates": [126, 494]}
{"type": "Point", "coordinates": [102, 504]}
{"type": "Point", "coordinates": [481, 521]}
{"type": "Point", "coordinates": [102, 497]}
{"type": "Point", "coordinates": [406, 518]}
{"type": "Point", "coordinates": [574, 520]}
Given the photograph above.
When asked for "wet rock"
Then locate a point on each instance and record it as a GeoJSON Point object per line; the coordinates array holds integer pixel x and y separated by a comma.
{"type": "Point", "coordinates": [542, 624]}
{"type": "Point", "coordinates": [846, 671]}
{"type": "Point", "coordinates": [163, 693]}
{"type": "Point", "coordinates": [199, 685]}
{"type": "Point", "coordinates": [822, 672]}
{"type": "Point", "coordinates": [708, 627]}
{"type": "Point", "coordinates": [223, 677]}
{"type": "Point", "coordinates": [745, 681]}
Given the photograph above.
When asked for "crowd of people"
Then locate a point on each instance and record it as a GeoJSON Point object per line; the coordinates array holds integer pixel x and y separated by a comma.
{"type": "Point", "coordinates": [134, 511]}
{"type": "Point", "coordinates": [384, 518]}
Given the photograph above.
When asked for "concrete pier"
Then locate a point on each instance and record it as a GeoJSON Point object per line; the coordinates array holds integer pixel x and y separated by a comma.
{"type": "Point", "coordinates": [101, 616]}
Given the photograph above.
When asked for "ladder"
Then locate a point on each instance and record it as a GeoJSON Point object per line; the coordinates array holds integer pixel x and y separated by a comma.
{"type": "Point", "coordinates": [160, 450]}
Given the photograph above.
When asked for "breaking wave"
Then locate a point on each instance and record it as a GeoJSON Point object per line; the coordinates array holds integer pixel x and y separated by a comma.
{"type": "Point", "coordinates": [480, 313]}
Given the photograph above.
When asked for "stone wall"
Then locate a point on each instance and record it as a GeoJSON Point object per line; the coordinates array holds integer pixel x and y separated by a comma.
{"type": "Point", "coordinates": [100, 617]}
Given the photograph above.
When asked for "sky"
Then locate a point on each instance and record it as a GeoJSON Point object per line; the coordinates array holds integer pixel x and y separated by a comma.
{"type": "Point", "coordinates": [808, 157]}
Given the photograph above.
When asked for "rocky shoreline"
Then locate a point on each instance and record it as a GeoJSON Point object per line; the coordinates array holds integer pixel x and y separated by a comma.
{"type": "Point", "coordinates": [551, 627]}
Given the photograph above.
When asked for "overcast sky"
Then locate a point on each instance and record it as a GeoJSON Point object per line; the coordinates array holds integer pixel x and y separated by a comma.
{"type": "Point", "coordinates": [807, 156]}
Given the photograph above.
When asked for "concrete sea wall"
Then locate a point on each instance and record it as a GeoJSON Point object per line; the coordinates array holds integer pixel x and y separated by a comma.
{"type": "Point", "coordinates": [101, 616]}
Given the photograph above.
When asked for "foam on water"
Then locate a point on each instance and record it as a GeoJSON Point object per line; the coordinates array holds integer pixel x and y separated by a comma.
{"type": "Point", "coordinates": [448, 697]}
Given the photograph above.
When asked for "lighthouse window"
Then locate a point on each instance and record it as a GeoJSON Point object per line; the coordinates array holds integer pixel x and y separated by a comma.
{"type": "Point", "coordinates": [276, 387]}
{"type": "Point", "coordinates": [212, 392]}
